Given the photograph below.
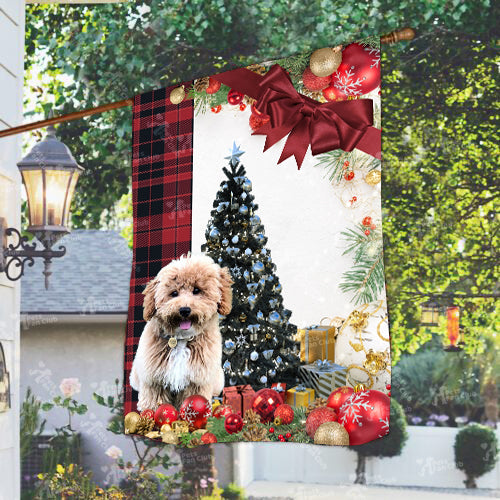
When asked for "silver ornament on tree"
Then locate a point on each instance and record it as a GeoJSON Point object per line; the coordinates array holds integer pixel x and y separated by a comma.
{"type": "Point", "coordinates": [254, 355]}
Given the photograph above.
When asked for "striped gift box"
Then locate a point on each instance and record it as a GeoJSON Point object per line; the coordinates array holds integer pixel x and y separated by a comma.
{"type": "Point", "coordinates": [323, 376]}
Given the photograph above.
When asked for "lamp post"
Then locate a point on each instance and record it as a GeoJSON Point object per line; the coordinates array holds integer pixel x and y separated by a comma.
{"type": "Point", "coordinates": [50, 173]}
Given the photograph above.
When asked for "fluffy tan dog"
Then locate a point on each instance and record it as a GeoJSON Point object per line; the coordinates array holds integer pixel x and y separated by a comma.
{"type": "Point", "coordinates": [180, 349]}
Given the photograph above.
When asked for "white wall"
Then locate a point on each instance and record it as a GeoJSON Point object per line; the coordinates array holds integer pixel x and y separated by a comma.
{"type": "Point", "coordinates": [427, 460]}
{"type": "Point", "coordinates": [11, 88]}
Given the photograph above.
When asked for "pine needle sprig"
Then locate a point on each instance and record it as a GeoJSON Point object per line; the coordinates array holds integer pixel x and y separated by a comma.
{"type": "Point", "coordinates": [371, 41]}
{"type": "Point", "coordinates": [203, 102]}
{"type": "Point", "coordinates": [366, 278]}
{"type": "Point", "coordinates": [295, 65]}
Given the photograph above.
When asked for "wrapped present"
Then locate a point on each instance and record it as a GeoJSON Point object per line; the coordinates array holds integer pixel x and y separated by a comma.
{"type": "Point", "coordinates": [238, 397]}
{"type": "Point", "coordinates": [279, 387]}
{"type": "Point", "coordinates": [299, 396]}
{"type": "Point", "coordinates": [318, 342]}
{"type": "Point", "coordinates": [323, 376]}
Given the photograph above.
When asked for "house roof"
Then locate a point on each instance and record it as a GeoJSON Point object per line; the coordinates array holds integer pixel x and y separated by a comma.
{"type": "Point", "coordinates": [92, 278]}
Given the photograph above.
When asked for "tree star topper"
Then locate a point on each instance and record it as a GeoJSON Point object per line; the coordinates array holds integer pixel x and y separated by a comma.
{"type": "Point", "coordinates": [234, 154]}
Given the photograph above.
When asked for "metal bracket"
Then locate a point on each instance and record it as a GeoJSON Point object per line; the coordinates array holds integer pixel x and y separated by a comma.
{"type": "Point", "coordinates": [23, 253]}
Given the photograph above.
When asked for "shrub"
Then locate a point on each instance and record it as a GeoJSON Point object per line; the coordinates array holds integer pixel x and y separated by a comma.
{"type": "Point", "coordinates": [476, 452]}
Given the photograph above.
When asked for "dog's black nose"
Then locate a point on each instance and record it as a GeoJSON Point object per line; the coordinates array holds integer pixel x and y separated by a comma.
{"type": "Point", "coordinates": [185, 311]}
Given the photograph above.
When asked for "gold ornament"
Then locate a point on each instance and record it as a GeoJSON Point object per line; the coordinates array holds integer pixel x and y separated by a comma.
{"type": "Point", "coordinates": [177, 95]}
{"type": "Point", "coordinates": [373, 177]}
{"type": "Point", "coordinates": [255, 432]}
{"type": "Point", "coordinates": [359, 388]}
{"type": "Point", "coordinates": [131, 420]}
{"type": "Point", "coordinates": [375, 362]}
{"type": "Point", "coordinates": [172, 342]}
{"type": "Point", "coordinates": [332, 434]}
{"type": "Point", "coordinates": [277, 421]}
{"type": "Point", "coordinates": [144, 425]}
{"type": "Point", "coordinates": [165, 428]}
{"type": "Point", "coordinates": [201, 84]}
{"type": "Point", "coordinates": [170, 437]}
{"type": "Point", "coordinates": [215, 404]}
{"type": "Point", "coordinates": [268, 336]}
{"type": "Point", "coordinates": [242, 317]}
{"type": "Point", "coordinates": [249, 100]}
{"type": "Point", "coordinates": [180, 427]}
{"type": "Point", "coordinates": [251, 417]}
{"type": "Point", "coordinates": [317, 403]}
{"type": "Point", "coordinates": [153, 435]}
{"type": "Point", "coordinates": [358, 320]}
{"type": "Point", "coordinates": [325, 61]}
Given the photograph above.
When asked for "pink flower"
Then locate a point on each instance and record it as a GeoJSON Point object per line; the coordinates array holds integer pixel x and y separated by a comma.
{"type": "Point", "coordinates": [114, 452]}
{"type": "Point", "coordinates": [70, 386]}
{"type": "Point", "coordinates": [203, 483]}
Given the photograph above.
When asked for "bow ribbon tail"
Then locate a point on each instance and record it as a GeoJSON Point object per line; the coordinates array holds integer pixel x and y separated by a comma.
{"type": "Point", "coordinates": [297, 142]}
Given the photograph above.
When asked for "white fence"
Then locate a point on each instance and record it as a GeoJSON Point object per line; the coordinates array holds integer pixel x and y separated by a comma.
{"type": "Point", "coordinates": [427, 460]}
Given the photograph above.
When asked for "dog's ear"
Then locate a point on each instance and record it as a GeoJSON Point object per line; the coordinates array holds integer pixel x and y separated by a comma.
{"type": "Point", "coordinates": [149, 300]}
{"type": "Point", "coordinates": [226, 300]}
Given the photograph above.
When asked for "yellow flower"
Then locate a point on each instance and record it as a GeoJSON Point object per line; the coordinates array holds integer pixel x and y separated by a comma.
{"type": "Point", "coordinates": [40, 476]}
{"type": "Point", "coordinates": [70, 468]}
{"type": "Point", "coordinates": [60, 469]}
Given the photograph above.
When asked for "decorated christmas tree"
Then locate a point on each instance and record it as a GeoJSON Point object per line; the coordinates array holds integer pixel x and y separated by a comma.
{"type": "Point", "coordinates": [258, 345]}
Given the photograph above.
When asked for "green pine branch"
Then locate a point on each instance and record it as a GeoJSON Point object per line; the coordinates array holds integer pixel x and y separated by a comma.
{"type": "Point", "coordinates": [366, 278]}
{"type": "Point", "coordinates": [203, 102]}
{"type": "Point", "coordinates": [295, 65]}
{"type": "Point", "coordinates": [372, 41]}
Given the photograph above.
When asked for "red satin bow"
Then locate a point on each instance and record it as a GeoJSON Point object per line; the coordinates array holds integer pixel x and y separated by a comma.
{"type": "Point", "coordinates": [324, 126]}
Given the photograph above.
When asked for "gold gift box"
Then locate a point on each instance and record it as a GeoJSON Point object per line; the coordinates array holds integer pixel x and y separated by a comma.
{"type": "Point", "coordinates": [299, 396]}
{"type": "Point", "coordinates": [317, 342]}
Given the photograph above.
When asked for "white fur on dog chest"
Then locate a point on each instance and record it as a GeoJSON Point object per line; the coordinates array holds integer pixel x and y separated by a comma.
{"type": "Point", "coordinates": [176, 377]}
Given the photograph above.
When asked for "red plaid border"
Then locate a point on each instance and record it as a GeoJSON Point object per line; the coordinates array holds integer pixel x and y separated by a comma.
{"type": "Point", "coordinates": [162, 173]}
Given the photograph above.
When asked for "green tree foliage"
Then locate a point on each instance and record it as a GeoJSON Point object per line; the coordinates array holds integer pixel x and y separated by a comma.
{"type": "Point", "coordinates": [476, 452]}
{"type": "Point", "coordinates": [440, 183]}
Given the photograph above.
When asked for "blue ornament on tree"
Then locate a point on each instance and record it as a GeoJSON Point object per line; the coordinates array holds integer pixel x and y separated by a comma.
{"type": "Point", "coordinates": [214, 233]}
{"type": "Point", "coordinates": [258, 267]}
{"type": "Point", "coordinates": [235, 239]}
{"type": "Point", "coordinates": [243, 209]}
{"type": "Point", "coordinates": [247, 185]}
{"type": "Point", "coordinates": [252, 299]}
{"type": "Point", "coordinates": [274, 318]}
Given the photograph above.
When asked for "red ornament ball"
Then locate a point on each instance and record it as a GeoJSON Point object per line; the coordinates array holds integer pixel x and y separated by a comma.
{"type": "Point", "coordinates": [265, 402]}
{"type": "Point", "coordinates": [367, 232]}
{"type": "Point", "coordinates": [338, 397]}
{"type": "Point", "coordinates": [165, 414]}
{"type": "Point", "coordinates": [243, 106]}
{"type": "Point", "coordinates": [359, 72]}
{"type": "Point", "coordinates": [234, 97]}
{"type": "Point", "coordinates": [317, 417]}
{"type": "Point", "coordinates": [195, 410]}
{"type": "Point", "coordinates": [367, 221]}
{"type": "Point", "coordinates": [148, 414]}
{"type": "Point", "coordinates": [233, 423]}
{"type": "Point", "coordinates": [213, 86]}
{"type": "Point", "coordinates": [216, 109]}
{"type": "Point", "coordinates": [313, 82]}
{"type": "Point", "coordinates": [222, 411]}
{"type": "Point", "coordinates": [349, 176]}
{"type": "Point", "coordinates": [365, 416]}
{"type": "Point", "coordinates": [285, 413]}
{"type": "Point", "coordinates": [332, 93]}
{"type": "Point", "coordinates": [257, 121]}
{"type": "Point", "coordinates": [208, 438]}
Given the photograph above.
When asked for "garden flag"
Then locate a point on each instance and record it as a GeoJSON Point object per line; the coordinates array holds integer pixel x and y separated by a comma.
{"type": "Point", "coordinates": [257, 297]}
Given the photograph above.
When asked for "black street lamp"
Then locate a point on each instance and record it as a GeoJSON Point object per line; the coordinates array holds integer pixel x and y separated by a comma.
{"type": "Point", "coordinates": [50, 173]}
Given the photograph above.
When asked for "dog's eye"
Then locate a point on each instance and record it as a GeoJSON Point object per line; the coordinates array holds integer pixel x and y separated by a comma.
{"type": "Point", "coordinates": [175, 293]}
{"type": "Point", "coordinates": [196, 291]}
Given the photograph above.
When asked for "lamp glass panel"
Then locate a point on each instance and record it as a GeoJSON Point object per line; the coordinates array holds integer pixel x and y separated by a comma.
{"type": "Point", "coordinates": [71, 192]}
{"type": "Point", "coordinates": [56, 186]}
{"type": "Point", "coordinates": [33, 183]}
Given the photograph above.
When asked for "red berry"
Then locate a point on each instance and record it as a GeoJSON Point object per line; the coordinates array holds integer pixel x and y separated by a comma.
{"type": "Point", "coordinates": [349, 176]}
{"type": "Point", "coordinates": [367, 221]}
{"type": "Point", "coordinates": [216, 109]}
{"type": "Point", "coordinates": [354, 199]}
{"type": "Point", "coordinates": [243, 106]}
{"type": "Point", "coordinates": [367, 232]}
{"type": "Point", "coordinates": [288, 435]}
{"type": "Point", "coordinates": [388, 387]}
{"type": "Point", "coordinates": [373, 226]}
{"type": "Point", "coordinates": [346, 163]}
{"type": "Point", "coordinates": [389, 393]}
{"type": "Point", "coordinates": [281, 436]}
